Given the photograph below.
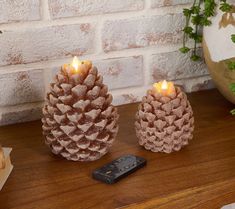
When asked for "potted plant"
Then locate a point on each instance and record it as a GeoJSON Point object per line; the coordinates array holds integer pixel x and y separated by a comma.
{"type": "Point", "coordinates": [218, 40]}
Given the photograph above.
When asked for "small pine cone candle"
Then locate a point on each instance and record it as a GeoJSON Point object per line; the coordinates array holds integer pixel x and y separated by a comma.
{"type": "Point", "coordinates": [79, 121]}
{"type": "Point", "coordinates": [164, 121]}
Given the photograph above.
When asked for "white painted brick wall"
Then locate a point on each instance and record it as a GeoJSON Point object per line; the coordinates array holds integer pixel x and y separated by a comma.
{"type": "Point", "coordinates": [133, 43]}
{"type": "Point", "coordinates": [19, 10]}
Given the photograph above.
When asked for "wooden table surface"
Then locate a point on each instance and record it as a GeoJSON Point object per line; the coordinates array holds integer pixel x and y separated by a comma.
{"type": "Point", "coordinates": [202, 175]}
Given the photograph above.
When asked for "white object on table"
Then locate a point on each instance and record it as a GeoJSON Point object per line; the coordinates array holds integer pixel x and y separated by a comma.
{"type": "Point", "coordinates": [230, 206]}
{"type": "Point", "coordinates": [5, 172]}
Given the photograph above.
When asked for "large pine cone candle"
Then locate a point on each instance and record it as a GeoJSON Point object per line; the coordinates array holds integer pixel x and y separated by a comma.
{"type": "Point", "coordinates": [164, 121]}
{"type": "Point", "coordinates": [79, 120]}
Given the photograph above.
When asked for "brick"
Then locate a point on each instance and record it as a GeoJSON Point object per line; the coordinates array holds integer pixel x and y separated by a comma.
{"type": "Point", "coordinates": [196, 84]}
{"type": "Point", "coordinates": [121, 72]}
{"type": "Point", "coordinates": [142, 32]}
{"type": "Point", "coordinates": [71, 8]}
{"type": "Point", "coordinates": [20, 113]}
{"type": "Point", "coordinates": [40, 44]}
{"type": "Point", "coordinates": [21, 87]}
{"type": "Point", "coordinates": [128, 96]}
{"type": "Point", "coordinates": [163, 3]}
{"type": "Point", "coordinates": [19, 10]}
{"type": "Point", "coordinates": [117, 72]}
{"type": "Point", "coordinates": [175, 65]}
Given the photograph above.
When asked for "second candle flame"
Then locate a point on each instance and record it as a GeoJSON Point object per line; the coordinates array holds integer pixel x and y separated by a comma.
{"type": "Point", "coordinates": [76, 63]}
{"type": "Point", "coordinates": [164, 88]}
{"type": "Point", "coordinates": [164, 85]}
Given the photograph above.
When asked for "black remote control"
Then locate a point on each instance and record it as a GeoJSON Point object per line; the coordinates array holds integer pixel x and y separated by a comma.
{"type": "Point", "coordinates": [119, 168]}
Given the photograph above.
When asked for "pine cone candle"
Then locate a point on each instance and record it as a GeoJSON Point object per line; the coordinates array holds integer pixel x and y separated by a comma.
{"type": "Point", "coordinates": [79, 121]}
{"type": "Point", "coordinates": [164, 121]}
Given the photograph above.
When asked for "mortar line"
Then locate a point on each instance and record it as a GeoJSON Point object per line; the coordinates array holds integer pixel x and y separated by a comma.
{"type": "Point", "coordinates": [45, 10]}
{"type": "Point", "coordinates": [98, 37]}
{"type": "Point", "coordinates": [147, 5]}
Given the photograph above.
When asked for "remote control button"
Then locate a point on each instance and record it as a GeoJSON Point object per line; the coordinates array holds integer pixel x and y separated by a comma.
{"type": "Point", "coordinates": [108, 180]}
{"type": "Point", "coordinates": [108, 172]}
{"type": "Point", "coordinates": [116, 164]}
{"type": "Point", "coordinates": [120, 160]}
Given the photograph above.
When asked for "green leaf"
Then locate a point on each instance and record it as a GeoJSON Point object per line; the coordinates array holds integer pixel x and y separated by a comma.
{"type": "Point", "coordinates": [209, 8]}
{"type": "Point", "coordinates": [196, 37]}
{"type": "Point", "coordinates": [196, 20]}
{"type": "Point", "coordinates": [187, 12]}
{"type": "Point", "coordinates": [205, 22]}
{"type": "Point", "coordinates": [188, 29]}
{"type": "Point", "coordinates": [233, 38]}
{"type": "Point", "coordinates": [195, 57]}
{"type": "Point", "coordinates": [184, 50]}
{"type": "Point", "coordinates": [225, 7]}
{"type": "Point", "coordinates": [232, 87]}
{"type": "Point", "coordinates": [231, 65]}
{"type": "Point", "coordinates": [199, 39]}
{"type": "Point", "coordinates": [195, 9]}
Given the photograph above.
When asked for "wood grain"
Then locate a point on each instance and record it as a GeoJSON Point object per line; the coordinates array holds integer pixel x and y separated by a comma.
{"type": "Point", "coordinates": [202, 175]}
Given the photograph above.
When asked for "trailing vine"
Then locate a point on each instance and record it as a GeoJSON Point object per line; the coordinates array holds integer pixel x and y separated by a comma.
{"type": "Point", "coordinates": [231, 66]}
{"type": "Point", "coordinates": [197, 16]}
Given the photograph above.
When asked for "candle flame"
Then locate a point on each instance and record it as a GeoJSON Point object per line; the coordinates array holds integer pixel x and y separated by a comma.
{"type": "Point", "coordinates": [164, 85]}
{"type": "Point", "coordinates": [164, 88]}
{"type": "Point", "coordinates": [76, 63]}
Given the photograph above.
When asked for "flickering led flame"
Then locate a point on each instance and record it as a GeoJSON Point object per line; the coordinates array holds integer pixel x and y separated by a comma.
{"type": "Point", "coordinates": [76, 63]}
{"type": "Point", "coordinates": [164, 88]}
{"type": "Point", "coordinates": [164, 85]}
